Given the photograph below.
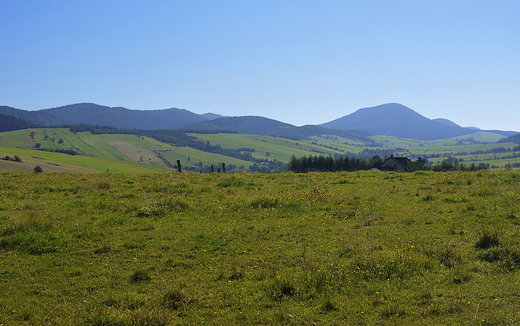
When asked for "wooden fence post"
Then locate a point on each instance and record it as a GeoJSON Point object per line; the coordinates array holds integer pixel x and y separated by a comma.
{"type": "Point", "coordinates": [179, 166]}
{"type": "Point", "coordinates": [223, 167]}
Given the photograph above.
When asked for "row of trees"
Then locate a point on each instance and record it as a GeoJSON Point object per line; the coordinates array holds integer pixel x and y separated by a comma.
{"type": "Point", "coordinates": [324, 163]}
{"type": "Point", "coordinates": [446, 166]}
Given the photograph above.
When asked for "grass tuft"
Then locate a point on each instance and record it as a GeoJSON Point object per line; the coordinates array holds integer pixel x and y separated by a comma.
{"type": "Point", "coordinates": [140, 275]}
{"type": "Point", "coordinates": [488, 240]}
{"type": "Point", "coordinates": [174, 300]}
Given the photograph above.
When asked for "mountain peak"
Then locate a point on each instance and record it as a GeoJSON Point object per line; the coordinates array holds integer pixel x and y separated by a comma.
{"type": "Point", "coordinates": [394, 119]}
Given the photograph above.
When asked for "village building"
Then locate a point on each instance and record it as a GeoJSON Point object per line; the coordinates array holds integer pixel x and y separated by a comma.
{"type": "Point", "coordinates": [396, 164]}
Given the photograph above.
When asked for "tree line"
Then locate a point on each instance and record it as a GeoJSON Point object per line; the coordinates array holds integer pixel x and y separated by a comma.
{"type": "Point", "coordinates": [324, 163]}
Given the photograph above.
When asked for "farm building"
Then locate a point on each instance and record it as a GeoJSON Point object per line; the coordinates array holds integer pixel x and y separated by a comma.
{"type": "Point", "coordinates": [397, 164]}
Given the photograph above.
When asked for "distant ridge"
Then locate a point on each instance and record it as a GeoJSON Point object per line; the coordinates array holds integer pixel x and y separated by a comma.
{"type": "Point", "coordinates": [212, 116]}
{"type": "Point", "coordinates": [253, 125]}
{"type": "Point", "coordinates": [397, 120]}
{"type": "Point", "coordinates": [447, 122]}
{"type": "Point", "coordinates": [388, 119]}
{"type": "Point", "coordinates": [306, 132]}
{"type": "Point", "coordinates": [94, 114]}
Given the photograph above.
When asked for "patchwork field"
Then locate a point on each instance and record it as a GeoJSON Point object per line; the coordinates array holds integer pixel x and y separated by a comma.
{"type": "Point", "coordinates": [321, 248]}
{"type": "Point", "coordinates": [58, 162]}
{"type": "Point", "coordinates": [147, 151]}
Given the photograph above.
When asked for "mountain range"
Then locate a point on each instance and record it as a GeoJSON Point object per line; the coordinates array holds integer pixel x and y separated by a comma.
{"type": "Point", "coordinates": [390, 119]}
{"type": "Point", "coordinates": [397, 120]}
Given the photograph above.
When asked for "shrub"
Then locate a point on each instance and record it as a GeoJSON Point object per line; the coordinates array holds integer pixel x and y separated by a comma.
{"type": "Point", "coordinates": [38, 169]}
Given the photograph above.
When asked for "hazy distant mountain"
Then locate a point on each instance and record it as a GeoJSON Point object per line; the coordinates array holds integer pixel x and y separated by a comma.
{"type": "Point", "coordinates": [245, 125]}
{"type": "Point", "coordinates": [399, 121]}
{"type": "Point", "coordinates": [212, 116]}
{"type": "Point", "coordinates": [446, 121]}
{"type": "Point", "coordinates": [305, 132]}
{"type": "Point", "coordinates": [89, 113]}
{"type": "Point", "coordinates": [387, 119]}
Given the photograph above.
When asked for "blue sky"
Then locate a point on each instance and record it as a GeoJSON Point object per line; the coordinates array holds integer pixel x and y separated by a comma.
{"type": "Point", "coordinates": [301, 62]}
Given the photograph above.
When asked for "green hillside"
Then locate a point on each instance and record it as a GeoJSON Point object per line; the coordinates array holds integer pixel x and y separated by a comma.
{"type": "Point", "coordinates": [477, 137]}
{"type": "Point", "coordinates": [58, 162]}
{"type": "Point", "coordinates": [148, 154]}
{"type": "Point", "coordinates": [268, 147]}
{"type": "Point", "coordinates": [145, 152]}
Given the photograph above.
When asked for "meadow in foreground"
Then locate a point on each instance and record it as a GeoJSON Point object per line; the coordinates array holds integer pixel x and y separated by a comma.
{"type": "Point", "coordinates": [325, 248]}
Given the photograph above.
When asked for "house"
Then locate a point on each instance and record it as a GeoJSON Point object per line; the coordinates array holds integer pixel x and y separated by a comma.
{"type": "Point", "coordinates": [397, 164]}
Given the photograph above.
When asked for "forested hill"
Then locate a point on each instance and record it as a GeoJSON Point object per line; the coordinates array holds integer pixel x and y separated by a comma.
{"type": "Point", "coordinates": [252, 125]}
{"type": "Point", "coordinates": [10, 123]}
{"type": "Point", "coordinates": [388, 119]}
{"type": "Point", "coordinates": [399, 121]}
{"type": "Point", "coordinates": [93, 114]}
{"type": "Point", "coordinates": [515, 139]}
{"type": "Point", "coordinates": [306, 132]}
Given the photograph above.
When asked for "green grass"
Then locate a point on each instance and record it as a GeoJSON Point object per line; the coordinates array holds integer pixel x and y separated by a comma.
{"type": "Point", "coordinates": [485, 137]}
{"type": "Point", "coordinates": [192, 157]}
{"type": "Point", "coordinates": [59, 162]}
{"type": "Point", "coordinates": [278, 148]}
{"type": "Point", "coordinates": [325, 248]}
{"type": "Point", "coordinates": [144, 150]}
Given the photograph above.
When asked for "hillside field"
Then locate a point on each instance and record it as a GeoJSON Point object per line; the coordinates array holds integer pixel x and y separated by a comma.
{"type": "Point", "coordinates": [58, 162]}
{"type": "Point", "coordinates": [134, 153]}
{"type": "Point", "coordinates": [358, 248]}
{"type": "Point", "coordinates": [128, 150]}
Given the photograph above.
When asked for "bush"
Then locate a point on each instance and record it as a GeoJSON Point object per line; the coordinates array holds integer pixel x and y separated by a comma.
{"type": "Point", "coordinates": [38, 169]}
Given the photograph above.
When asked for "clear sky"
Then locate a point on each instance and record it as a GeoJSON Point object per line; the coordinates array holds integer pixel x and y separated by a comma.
{"type": "Point", "coordinates": [301, 62]}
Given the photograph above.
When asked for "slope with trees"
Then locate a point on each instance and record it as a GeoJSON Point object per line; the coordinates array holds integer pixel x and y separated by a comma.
{"type": "Point", "coordinates": [10, 123]}
{"type": "Point", "coordinates": [306, 132]}
{"type": "Point", "coordinates": [515, 139]}
{"type": "Point", "coordinates": [90, 113]}
{"type": "Point", "coordinates": [252, 125]}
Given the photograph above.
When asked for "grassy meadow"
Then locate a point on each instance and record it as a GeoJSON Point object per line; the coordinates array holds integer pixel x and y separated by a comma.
{"type": "Point", "coordinates": [287, 249]}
